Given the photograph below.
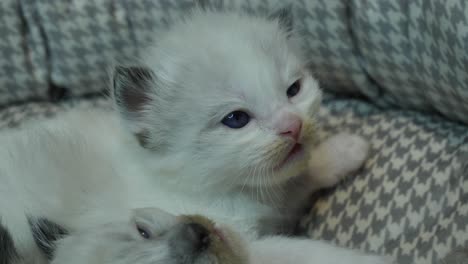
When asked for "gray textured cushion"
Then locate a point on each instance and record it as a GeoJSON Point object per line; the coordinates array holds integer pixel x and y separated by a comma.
{"type": "Point", "coordinates": [411, 198]}
{"type": "Point", "coordinates": [415, 51]}
{"type": "Point", "coordinates": [15, 116]}
{"type": "Point", "coordinates": [84, 37]}
{"type": "Point", "coordinates": [23, 67]}
{"type": "Point", "coordinates": [398, 53]}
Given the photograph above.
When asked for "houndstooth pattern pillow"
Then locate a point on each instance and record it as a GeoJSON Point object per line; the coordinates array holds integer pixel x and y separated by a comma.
{"type": "Point", "coordinates": [85, 37]}
{"type": "Point", "coordinates": [398, 53]}
{"type": "Point", "coordinates": [15, 116]}
{"type": "Point", "coordinates": [410, 200]}
{"type": "Point", "coordinates": [23, 66]}
{"type": "Point", "coordinates": [415, 52]}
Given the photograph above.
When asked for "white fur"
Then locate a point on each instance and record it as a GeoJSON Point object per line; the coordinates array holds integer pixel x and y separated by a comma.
{"type": "Point", "coordinates": [83, 168]}
{"type": "Point", "coordinates": [119, 242]}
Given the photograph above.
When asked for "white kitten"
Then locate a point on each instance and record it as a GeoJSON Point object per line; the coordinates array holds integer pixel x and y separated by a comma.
{"type": "Point", "coordinates": [219, 121]}
{"type": "Point", "coordinates": [153, 237]}
{"type": "Point", "coordinates": [148, 235]}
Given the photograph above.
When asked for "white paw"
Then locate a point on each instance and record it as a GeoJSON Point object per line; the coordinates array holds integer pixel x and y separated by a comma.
{"type": "Point", "coordinates": [337, 157]}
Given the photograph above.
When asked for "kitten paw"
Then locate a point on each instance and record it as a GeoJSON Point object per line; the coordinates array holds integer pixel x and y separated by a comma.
{"type": "Point", "coordinates": [336, 158]}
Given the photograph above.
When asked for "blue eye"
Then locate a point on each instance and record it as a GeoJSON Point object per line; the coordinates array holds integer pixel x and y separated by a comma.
{"type": "Point", "coordinates": [236, 119]}
{"type": "Point", "coordinates": [294, 89]}
{"type": "Point", "coordinates": [143, 232]}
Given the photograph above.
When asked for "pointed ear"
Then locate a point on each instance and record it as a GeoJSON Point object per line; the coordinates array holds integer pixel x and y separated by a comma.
{"type": "Point", "coordinates": [132, 88]}
{"type": "Point", "coordinates": [284, 16]}
{"type": "Point", "coordinates": [153, 219]}
{"type": "Point", "coordinates": [46, 234]}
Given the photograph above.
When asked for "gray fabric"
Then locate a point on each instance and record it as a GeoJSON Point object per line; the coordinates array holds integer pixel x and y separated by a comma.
{"type": "Point", "coordinates": [85, 37]}
{"type": "Point", "coordinates": [15, 116]}
{"type": "Point", "coordinates": [416, 52]}
{"type": "Point", "coordinates": [411, 198]}
{"type": "Point", "coordinates": [398, 53]}
{"type": "Point", "coordinates": [23, 71]}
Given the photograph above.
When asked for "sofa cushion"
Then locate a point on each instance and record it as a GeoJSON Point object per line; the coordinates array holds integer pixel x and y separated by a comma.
{"type": "Point", "coordinates": [415, 52]}
{"type": "Point", "coordinates": [23, 66]}
{"type": "Point", "coordinates": [15, 116]}
{"type": "Point", "coordinates": [85, 37]}
{"type": "Point", "coordinates": [410, 199]}
{"type": "Point", "coordinates": [401, 53]}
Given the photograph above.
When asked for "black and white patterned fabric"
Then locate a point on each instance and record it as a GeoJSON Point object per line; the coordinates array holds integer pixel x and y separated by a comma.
{"type": "Point", "coordinates": [398, 53]}
{"type": "Point", "coordinates": [23, 71]}
{"type": "Point", "coordinates": [410, 200]}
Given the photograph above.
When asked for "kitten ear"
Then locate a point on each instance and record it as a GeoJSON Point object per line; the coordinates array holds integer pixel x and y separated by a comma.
{"type": "Point", "coordinates": [46, 234]}
{"type": "Point", "coordinates": [131, 88]}
{"type": "Point", "coordinates": [284, 16]}
{"type": "Point", "coordinates": [154, 218]}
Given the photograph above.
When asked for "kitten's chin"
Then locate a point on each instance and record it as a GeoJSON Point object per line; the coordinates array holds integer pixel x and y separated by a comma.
{"type": "Point", "coordinates": [293, 165]}
{"type": "Point", "coordinates": [296, 153]}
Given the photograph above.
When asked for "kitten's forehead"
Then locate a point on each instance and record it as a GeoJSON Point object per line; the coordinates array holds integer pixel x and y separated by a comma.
{"type": "Point", "coordinates": [227, 55]}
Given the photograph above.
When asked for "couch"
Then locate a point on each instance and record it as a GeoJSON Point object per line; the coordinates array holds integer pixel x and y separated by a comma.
{"type": "Point", "coordinates": [395, 72]}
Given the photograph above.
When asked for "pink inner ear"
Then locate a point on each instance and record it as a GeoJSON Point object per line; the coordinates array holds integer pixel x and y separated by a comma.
{"type": "Point", "coordinates": [289, 125]}
{"type": "Point", "coordinates": [134, 100]}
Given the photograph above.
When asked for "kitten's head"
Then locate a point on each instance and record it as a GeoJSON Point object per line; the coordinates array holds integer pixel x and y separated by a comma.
{"type": "Point", "coordinates": [153, 236]}
{"type": "Point", "coordinates": [226, 95]}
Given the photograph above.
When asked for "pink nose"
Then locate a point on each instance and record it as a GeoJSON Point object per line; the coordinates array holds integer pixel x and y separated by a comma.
{"type": "Point", "coordinates": [290, 126]}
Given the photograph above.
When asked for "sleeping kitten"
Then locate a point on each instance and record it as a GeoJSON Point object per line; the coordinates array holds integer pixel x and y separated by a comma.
{"type": "Point", "coordinates": [150, 236]}
{"type": "Point", "coordinates": [153, 236]}
{"type": "Point", "coordinates": [217, 120]}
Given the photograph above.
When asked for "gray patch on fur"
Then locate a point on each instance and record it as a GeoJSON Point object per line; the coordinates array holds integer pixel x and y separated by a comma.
{"type": "Point", "coordinates": [285, 17]}
{"type": "Point", "coordinates": [131, 84]}
{"type": "Point", "coordinates": [45, 234]}
{"type": "Point", "coordinates": [8, 252]}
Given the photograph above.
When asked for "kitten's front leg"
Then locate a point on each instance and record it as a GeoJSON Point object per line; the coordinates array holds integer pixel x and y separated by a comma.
{"type": "Point", "coordinates": [284, 250]}
{"type": "Point", "coordinates": [336, 158]}
{"type": "Point", "coordinates": [331, 161]}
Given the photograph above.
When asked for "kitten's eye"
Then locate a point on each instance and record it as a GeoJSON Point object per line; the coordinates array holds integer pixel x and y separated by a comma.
{"type": "Point", "coordinates": [294, 89]}
{"type": "Point", "coordinates": [236, 119]}
{"type": "Point", "coordinates": [143, 232]}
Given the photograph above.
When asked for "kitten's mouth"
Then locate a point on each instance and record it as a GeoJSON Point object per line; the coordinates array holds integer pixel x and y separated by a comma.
{"type": "Point", "coordinates": [296, 151]}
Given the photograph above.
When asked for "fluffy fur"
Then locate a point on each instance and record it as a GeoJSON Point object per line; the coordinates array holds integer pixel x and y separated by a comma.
{"type": "Point", "coordinates": [171, 240]}
{"type": "Point", "coordinates": [8, 253]}
{"type": "Point", "coordinates": [166, 146]}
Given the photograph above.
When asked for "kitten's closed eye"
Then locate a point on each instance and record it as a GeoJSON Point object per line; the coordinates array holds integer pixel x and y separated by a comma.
{"type": "Point", "coordinates": [294, 89]}
{"type": "Point", "coordinates": [236, 119]}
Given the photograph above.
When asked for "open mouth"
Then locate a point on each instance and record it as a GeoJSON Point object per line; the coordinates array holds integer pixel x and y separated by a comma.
{"type": "Point", "coordinates": [293, 154]}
